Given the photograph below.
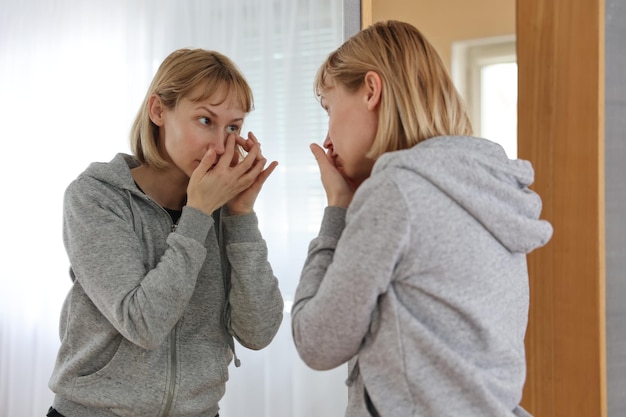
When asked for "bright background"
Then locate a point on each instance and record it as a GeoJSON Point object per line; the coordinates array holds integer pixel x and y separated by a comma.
{"type": "Point", "coordinates": [72, 76]}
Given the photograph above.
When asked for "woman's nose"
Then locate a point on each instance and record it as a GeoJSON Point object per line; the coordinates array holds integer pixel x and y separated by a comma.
{"type": "Point", "coordinates": [218, 143]}
{"type": "Point", "coordinates": [327, 142]}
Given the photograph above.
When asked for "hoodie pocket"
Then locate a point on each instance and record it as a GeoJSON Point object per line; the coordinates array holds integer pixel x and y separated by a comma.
{"type": "Point", "coordinates": [204, 364]}
{"type": "Point", "coordinates": [125, 363]}
{"type": "Point", "coordinates": [133, 381]}
{"type": "Point", "coordinates": [203, 372]}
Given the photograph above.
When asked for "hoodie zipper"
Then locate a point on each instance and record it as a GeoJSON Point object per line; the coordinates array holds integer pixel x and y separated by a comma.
{"type": "Point", "coordinates": [171, 382]}
{"type": "Point", "coordinates": [171, 386]}
{"type": "Point", "coordinates": [173, 362]}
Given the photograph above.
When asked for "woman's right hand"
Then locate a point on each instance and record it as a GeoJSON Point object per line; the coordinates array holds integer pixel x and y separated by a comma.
{"type": "Point", "coordinates": [213, 184]}
{"type": "Point", "coordinates": [339, 189]}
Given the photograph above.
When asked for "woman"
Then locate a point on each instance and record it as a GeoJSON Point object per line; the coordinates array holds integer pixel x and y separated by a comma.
{"type": "Point", "coordinates": [418, 276]}
{"type": "Point", "coordinates": [166, 256]}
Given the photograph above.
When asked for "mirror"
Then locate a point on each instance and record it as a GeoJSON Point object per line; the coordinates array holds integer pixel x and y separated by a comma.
{"type": "Point", "coordinates": [476, 40]}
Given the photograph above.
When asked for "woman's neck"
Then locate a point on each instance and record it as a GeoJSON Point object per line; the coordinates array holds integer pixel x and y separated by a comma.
{"type": "Point", "coordinates": [168, 187]}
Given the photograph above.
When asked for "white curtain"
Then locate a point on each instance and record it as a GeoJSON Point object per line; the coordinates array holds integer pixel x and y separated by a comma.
{"type": "Point", "coordinates": [72, 75]}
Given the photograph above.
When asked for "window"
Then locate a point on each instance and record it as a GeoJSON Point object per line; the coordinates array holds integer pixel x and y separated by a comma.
{"type": "Point", "coordinates": [485, 72]}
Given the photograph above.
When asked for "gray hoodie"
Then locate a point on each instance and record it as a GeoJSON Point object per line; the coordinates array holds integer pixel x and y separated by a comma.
{"type": "Point", "coordinates": [147, 327]}
{"type": "Point", "coordinates": [422, 284]}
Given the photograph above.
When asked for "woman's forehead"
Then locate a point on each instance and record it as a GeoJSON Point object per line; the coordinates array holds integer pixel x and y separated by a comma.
{"type": "Point", "coordinates": [221, 93]}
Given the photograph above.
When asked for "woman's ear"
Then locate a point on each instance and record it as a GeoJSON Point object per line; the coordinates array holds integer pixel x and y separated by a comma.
{"type": "Point", "coordinates": [155, 109]}
{"type": "Point", "coordinates": [373, 87]}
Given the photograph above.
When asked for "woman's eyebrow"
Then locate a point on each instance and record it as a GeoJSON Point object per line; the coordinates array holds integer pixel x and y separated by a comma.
{"type": "Point", "coordinates": [215, 115]}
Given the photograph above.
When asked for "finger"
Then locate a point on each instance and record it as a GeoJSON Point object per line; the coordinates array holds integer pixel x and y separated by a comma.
{"type": "Point", "coordinates": [205, 165]}
{"type": "Point", "coordinates": [317, 150]}
{"type": "Point", "coordinates": [229, 150]}
{"type": "Point", "coordinates": [239, 153]}
{"type": "Point", "coordinates": [241, 150]}
{"type": "Point", "coordinates": [241, 141]}
{"type": "Point", "coordinates": [251, 177]}
{"type": "Point", "coordinates": [267, 172]}
{"type": "Point", "coordinates": [324, 160]}
{"type": "Point", "coordinates": [248, 161]}
{"type": "Point", "coordinates": [247, 144]}
{"type": "Point", "coordinates": [257, 179]}
{"type": "Point", "coordinates": [253, 138]}
{"type": "Point", "coordinates": [206, 162]}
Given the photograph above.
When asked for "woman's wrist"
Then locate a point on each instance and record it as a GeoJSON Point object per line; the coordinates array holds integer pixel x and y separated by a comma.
{"type": "Point", "coordinates": [342, 201]}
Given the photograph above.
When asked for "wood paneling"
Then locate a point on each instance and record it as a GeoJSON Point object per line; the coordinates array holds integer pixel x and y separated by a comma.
{"type": "Point", "coordinates": [446, 21]}
{"type": "Point", "coordinates": [561, 129]}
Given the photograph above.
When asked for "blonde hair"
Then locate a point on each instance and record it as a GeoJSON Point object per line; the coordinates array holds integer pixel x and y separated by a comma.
{"type": "Point", "coordinates": [177, 76]}
{"type": "Point", "coordinates": [418, 100]}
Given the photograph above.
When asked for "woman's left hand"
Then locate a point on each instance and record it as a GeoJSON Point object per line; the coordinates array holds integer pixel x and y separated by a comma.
{"type": "Point", "coordinates": [243, 203]}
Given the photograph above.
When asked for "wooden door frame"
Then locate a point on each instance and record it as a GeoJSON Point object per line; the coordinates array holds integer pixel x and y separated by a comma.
{"type": "Point", "coordinates": [560, 54]}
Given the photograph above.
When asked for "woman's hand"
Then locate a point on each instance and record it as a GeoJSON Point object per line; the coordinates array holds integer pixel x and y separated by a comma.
{"type": "Point", "coordinates": [339, 189]}
{"type": "Point", "coordinates": [243, 203]}
{"type": "Point", "coordinates": [216, 182]}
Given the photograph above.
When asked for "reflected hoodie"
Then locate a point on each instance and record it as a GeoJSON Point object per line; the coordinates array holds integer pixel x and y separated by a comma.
{"type": "Point", "coordinates": [147, 327]}
{"type": "Point", "coordinates": [422, 283]}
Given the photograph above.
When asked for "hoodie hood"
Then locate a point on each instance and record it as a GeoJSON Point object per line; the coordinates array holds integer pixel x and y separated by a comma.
{"type": "Point", "coordinates": [115, 173]}
{"type": "Point", "coordinates": [478, 176]}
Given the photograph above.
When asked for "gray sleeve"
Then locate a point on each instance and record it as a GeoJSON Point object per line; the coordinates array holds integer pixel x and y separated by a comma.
{"type": "Point", "coordinates": [256, 304]}
{"type": "Point", "coordinates": [106, 258]}
{"type": "Point", "coordinates": [345, 272]}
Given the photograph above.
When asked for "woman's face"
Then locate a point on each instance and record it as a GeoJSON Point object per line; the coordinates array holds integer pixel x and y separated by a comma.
{"type": "Point", "coordinates": [189, 130]}
{"type": "Point", "coordinates": [352, 126]}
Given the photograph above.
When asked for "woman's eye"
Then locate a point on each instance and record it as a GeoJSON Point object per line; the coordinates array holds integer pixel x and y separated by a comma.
{"type": "Point", "coordinates": [205, 121]}
{"type": "Point", "coordinates": [233, 129]}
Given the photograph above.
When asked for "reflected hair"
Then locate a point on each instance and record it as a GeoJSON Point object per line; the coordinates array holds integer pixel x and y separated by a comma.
{"type": "Point", "coordinates": [177, 77]}
{"type": "Point", "coordinates": [418, 101]}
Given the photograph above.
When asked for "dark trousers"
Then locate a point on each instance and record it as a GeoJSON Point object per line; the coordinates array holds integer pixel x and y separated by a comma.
{"type": "Point", "coordinates": [370, 406]}
{"type": "Point", "coordinates": [54, 413]}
